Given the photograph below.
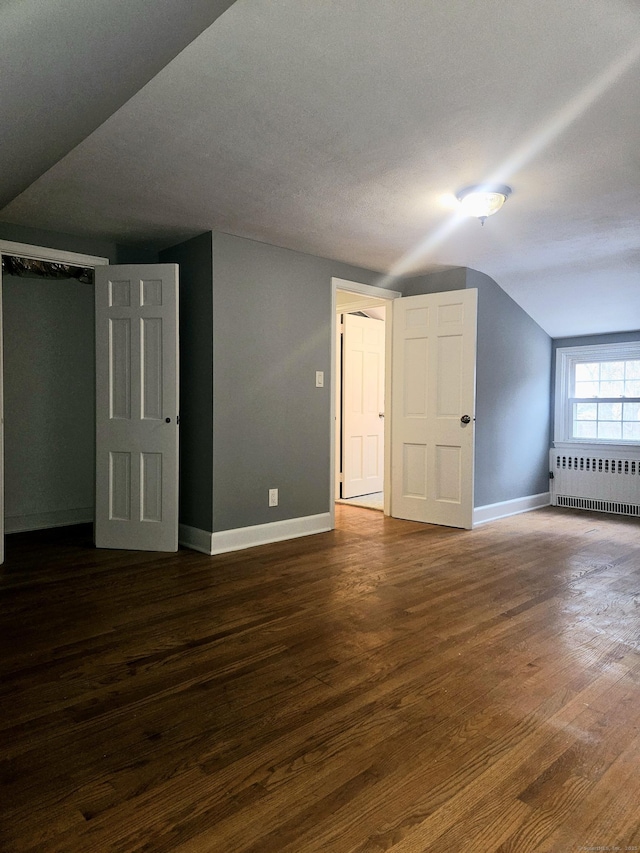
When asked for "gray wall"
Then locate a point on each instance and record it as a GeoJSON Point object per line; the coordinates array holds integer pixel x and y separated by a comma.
{"type": "Point", "coordinates": [49, 391]}
{"type": "Point", "coordinates": [271, 425]}
{"type": "Point", "coordinates": [256, 325]}
{"type": "Point", "coordinates": [513, 377]}
{"type": "Point", "coordinates": [195, 258]}
{"type": "Point", "coordinates": [435, 282]}
{"type": "Point", "coordinates": [594, 340]}
{"type": "Point", "coordinates": [58, 240]}
{"type": "Point", "coordinates": [116, 253]}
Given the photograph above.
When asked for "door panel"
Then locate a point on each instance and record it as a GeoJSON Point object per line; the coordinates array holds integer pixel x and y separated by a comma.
{"type": "Point", "coordinates": [362, 406]}
{"type": "Point", "coordinates": [433, 382]}
{"type": "Point", "coordinates": [137, 407]}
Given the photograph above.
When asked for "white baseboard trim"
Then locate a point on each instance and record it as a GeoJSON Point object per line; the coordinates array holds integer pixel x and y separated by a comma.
{"type": "Point", "coordinates": [44, 520]}
{"type": "Point", "coordinates": [194, 538]}
{"type": "Point", "coordinates": [249, 537]}
{"type": "Point", "coordinates": [491, 512]}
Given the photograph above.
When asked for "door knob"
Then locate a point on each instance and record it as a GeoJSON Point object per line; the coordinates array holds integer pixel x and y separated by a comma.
{"type": "Point", "coordinates": [380, 414]}
{"type": "Point", "coordinates": [465, 419]}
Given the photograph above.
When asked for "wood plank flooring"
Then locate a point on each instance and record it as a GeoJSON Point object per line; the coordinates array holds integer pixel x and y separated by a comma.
{"type": "Point", "coordinates": [388, 686]}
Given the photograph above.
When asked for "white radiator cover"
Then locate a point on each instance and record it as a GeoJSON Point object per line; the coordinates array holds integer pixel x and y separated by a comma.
{"type": "Point", "coordinates": [600, 481]}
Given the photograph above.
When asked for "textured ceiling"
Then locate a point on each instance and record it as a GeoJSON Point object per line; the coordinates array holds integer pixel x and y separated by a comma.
{"type": "Point", "coordinates": [67, 65]}
{"type": "Point", "coordinates": [343, 127]}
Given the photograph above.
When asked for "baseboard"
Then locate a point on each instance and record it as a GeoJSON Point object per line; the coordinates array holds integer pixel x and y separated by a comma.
{"type": "Point", "coordinates": [44, 520]}
{"type": "Point", "coordinates": [194, 538]}
{"type": "Point", "coordinates": [249, 537]}
{"type": "Point", "coordinates": [491, 512]}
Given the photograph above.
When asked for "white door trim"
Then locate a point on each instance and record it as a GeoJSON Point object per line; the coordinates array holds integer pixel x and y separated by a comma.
{"type": "Point", "coordinates": [388, 296]}
{"type": "Point", "coordinates": [56, 256]}
{"type": "Point", "coordinates": [36, 253]}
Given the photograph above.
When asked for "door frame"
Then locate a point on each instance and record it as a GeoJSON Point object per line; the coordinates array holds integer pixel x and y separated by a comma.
{"type": "Point", "coordinates": [378, 293]}
{"type": "Point", "coordinates": [34, 253]}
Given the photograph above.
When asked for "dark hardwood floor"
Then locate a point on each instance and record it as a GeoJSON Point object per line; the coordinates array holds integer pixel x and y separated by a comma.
{"type": "Point", "coordinates": [387, 686]}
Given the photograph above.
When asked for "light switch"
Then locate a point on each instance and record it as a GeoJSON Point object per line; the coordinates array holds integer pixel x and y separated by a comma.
{"type": "Point", "coordinates": [319, 378]}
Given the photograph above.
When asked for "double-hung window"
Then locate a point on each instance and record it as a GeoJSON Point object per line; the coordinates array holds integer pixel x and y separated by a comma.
{"type": "Point", "coordinates": [598, 394]}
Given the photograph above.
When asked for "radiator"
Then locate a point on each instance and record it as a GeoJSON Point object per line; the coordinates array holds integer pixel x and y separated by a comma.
{"type": "Point", "coordinates": [604, 482]}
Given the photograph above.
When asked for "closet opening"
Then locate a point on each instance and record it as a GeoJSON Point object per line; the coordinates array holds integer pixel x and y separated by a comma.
{"type": "Point", "coordinates": [49, 394]}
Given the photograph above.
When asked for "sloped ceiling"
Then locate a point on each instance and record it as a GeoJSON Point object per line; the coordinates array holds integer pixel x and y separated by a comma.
{"type": "Point", "coordinates": [343, 128]}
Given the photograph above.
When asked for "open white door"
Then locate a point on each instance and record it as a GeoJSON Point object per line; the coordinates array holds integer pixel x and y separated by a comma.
{"type": "Point", "coordinates": [433, 404]}
{"type": "Point", "coordinates": [362, 406]}
{"type": "Point", "coordinates": [137, 407]}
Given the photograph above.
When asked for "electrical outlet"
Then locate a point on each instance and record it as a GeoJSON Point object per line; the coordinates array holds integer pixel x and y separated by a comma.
{"type": "Point", "coordinates": [273, 497]}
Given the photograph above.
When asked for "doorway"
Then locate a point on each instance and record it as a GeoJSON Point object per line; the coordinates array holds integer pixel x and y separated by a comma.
{"type": "Point", "coordinates": [350, 297]}
{"type": "Point", "coordinates": [49, 391]}
{"type": "Point", "coordinates": [360, 400]}
{"type": "Point", "coordinates": [29, 511]}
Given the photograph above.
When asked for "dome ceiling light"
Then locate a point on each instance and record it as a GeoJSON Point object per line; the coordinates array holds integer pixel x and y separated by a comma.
{"type": "Point", "coordinates": [482, 200]}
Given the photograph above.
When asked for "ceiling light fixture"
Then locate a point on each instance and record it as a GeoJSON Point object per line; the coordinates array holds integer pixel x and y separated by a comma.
{"type": "Point", "coordinates": [483, 200]}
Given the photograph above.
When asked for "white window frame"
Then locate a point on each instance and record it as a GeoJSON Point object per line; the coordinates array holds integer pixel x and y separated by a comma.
{"type": "Point", "coordinates": [566, 359]}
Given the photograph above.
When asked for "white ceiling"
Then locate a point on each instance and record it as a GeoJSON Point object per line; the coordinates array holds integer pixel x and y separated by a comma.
{"type": "Point", "coordinates": [343, 127]}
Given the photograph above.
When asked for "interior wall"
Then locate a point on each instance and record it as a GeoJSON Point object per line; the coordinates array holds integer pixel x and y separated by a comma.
{"type": "Point", "coordinates": [58, 240]}
{"type": "Point", "coordinates": [513, 376]}
{"type": "Point", "coordinates": [49, 393]}
{"type": "Point", "coordinates": [454, 278]}
{"type": "Point", "coordinates": [270, 313]}
{"type": "Point", "coordinates": [195, 259]}
{"type": "Point", "coordinates": [271, 425]}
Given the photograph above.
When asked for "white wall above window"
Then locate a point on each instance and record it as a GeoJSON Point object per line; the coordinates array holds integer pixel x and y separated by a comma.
{"type": "Point", "coordinates": [597, 400]}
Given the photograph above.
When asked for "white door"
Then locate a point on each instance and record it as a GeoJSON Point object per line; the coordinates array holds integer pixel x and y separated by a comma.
{"type": "Point", "coordinates": [137, 407]}
{"type": "Point", "coordinates": [362, 406]}
{"type": "Point", "coordinates": [433, 404]}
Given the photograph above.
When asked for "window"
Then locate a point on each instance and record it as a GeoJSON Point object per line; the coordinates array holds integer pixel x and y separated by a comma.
{"type": "Point", "coordinates": [598, 394]}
